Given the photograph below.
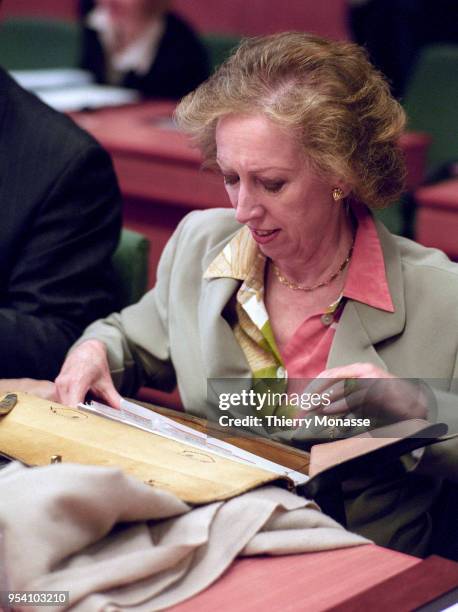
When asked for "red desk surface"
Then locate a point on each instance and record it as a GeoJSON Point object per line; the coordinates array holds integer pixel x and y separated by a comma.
{"type": "Point", "coordinates": [436, 222]}
{"type": "Point", "coordinates": [153, 160]}
{"type": "Point", "coordinates": [443, 195]}
{"type": "Point", "coordinates": [415, 147]}
{"type": "Point", "coordinates": [312, 582]}
{"type": "Point", "coordinates": [159, 173]}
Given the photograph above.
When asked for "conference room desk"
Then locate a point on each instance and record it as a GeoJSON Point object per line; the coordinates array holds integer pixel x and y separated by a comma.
{"type": "Point", "coordinates": [415, 148]}
{"type": "Point", "coordinates": [160, 175]}
{"type": "Point", "coordinates": [348, 580]}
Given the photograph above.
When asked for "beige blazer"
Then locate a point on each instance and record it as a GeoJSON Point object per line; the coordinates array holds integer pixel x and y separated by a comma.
{"type": "Point", "coordinates": [177, 329]}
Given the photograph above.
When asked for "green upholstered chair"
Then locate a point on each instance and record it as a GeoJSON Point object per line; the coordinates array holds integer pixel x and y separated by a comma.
{"type": "Point", "coordinates": [431, 102]}
{"type": "Point", "coordinates": [219, 47]}
{"type": "Point", "coordinates": [31, 44]}
{"type": "Point", "coordinates": [131, 266]}
{"type": "Point", "coordinates": [392, 217]}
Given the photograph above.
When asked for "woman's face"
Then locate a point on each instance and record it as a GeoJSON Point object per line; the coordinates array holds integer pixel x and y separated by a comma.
{"type": "Point", "coordinates": [275, 192]}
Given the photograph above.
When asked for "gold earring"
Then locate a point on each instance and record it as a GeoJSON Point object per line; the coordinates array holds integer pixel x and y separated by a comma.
{"type": "Point", "coordinates": [337, 194]}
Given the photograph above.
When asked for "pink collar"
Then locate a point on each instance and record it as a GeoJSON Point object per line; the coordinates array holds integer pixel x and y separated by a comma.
{"type": "Point", "coordinates": [366, 280]}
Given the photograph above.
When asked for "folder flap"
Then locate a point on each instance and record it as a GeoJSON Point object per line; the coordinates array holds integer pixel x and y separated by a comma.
{"type": "Point", "coordinates": [37, 429]}
{"type": "Point", "coordinates": [335, 462]}
{"type": "Point", "coordinates": [392, 440]}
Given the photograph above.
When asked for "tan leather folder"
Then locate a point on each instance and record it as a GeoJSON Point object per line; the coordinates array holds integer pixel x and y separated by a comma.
{"type": "Point", "coordinates": [35, 430]}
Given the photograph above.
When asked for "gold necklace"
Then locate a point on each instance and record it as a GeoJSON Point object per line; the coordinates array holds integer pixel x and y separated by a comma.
{"type": "Point", "coordinates": [284, 281]}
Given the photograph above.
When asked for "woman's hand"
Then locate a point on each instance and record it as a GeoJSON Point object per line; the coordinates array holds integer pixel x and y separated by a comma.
{"type": "Point", "coordinates": [86, 369]}
{"type": "Point", "coordinates": [41, 388]}
{"type": "Point", "coordinates": [377, 392]}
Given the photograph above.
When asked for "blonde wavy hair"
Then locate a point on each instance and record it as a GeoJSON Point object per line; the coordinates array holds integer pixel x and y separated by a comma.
{"type": "Point", "coordinates": [327, 92]}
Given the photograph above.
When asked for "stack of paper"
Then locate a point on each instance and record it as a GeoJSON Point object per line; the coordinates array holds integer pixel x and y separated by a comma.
{"type": "Point", "coordinates": [71, 89]}
{"type": "Point", "coordinates": [142, 418]}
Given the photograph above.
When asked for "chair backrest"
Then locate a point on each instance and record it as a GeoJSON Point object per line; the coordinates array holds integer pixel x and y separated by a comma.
{"type": "Point", "coordinates": [29, 44]}
{"type": "Point", "coordinates": [219, 47]}
{"type": "Point", "coordinates": [431, 102]}
{"type": "Point", "coordinates": [130, 262]}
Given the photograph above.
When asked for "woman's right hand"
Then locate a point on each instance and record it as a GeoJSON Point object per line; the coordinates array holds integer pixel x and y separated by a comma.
{"type": "Point", "coordinates": [86, 369]}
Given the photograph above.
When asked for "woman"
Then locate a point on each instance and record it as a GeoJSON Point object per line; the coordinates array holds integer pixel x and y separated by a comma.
{"type": "Point", "coordinates": [298, 281]}
{"type": "Point", "coordinates": [140, 45]}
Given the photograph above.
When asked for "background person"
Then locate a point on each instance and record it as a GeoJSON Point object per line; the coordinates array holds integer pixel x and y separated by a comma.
{"type": "Point", "coordinates": [298, 281]}
{"type": "Point", "coordinates": [140, 45]}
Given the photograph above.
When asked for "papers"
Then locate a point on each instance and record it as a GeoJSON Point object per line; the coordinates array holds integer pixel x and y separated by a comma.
{"type": "Point", "coordinates": [142, 418]}
{"type": "Point", "coordinates": [36, 80]}
{"type": "Point", "coordinates": [72, 89]}
{"type": "Point", "coordinates": [87, 97]}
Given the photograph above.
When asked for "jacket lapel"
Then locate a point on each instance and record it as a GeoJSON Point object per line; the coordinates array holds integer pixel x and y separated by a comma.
{"type": "Point", "coordinates": [225, 366]}
{"type": "Point", "coordinates": [362, 327]}
{"type": "Point", "coordinates": [222, 354]}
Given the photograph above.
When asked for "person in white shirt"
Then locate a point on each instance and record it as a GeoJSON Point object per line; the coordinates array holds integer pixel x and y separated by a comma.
{"type": "Point", "coordinates": [140, 45]}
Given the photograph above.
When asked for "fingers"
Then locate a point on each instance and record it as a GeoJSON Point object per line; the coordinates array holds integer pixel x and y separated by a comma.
{"type": "Point", "coordinates": [75, 380]}
{"type": "Point", "coordinates": [70, 393]}
{"type": "Point", "coordinates": [86, 369]}
{"type": "Point", "coordinates": [326, 379]}
{"type": "Point", "coordinates": [41, 388]}
{"type": "Point", "coordinates": [335, 390]}
{"type": "Point", "coordinates": [355, 370]}
{"type": "Point", "coordinates": [46, 390]}
{"type": "Point", "coordinates": [346, 404]}
{"type": "Point", "coordinates": [107, 392]}
{"type": "Point", "coordinates": [330, 390]}
{"type": "Point", "coordinates": [366, 387]}
{"type": "Point", "coordinates": [345, 386]}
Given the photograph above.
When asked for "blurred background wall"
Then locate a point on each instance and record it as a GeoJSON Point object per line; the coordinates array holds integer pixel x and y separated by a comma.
{"type": "Point", "coordinates": [251, 17]}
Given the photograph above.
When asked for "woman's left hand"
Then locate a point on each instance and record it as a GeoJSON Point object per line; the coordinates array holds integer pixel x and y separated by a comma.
{"type": "Point", "coordinates": [41, 388]}
{"type": "Point", "coordinates": [377, 392]}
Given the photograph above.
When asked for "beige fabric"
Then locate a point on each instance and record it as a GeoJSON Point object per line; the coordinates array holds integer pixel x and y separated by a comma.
{"type": "Point", "coordinates": [58, 529]}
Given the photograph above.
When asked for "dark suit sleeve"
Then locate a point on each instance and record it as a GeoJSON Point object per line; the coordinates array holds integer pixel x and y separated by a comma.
{"type": "Point", "coordinates": [61, 278]}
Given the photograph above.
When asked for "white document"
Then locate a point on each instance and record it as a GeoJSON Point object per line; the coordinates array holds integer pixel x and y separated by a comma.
{"type": "Point", "coordinates": [72, 89]}
{"type": "Point", "coordinates": [51, 78]}
{"type": "Point", "coordinates": [87, 96]}
{"type": "Point", "coordinates": [143, 418]}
